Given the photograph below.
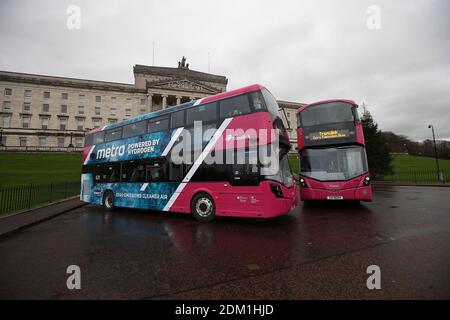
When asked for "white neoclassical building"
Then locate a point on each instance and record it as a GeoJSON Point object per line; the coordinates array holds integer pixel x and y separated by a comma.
{"type": "Point", "coordinates": [48, 113]}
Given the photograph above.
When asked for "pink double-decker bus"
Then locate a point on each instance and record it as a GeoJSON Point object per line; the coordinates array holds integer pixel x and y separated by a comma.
{"type": "Point", "coordinates": [333, 162]}
{"type": "Point", "coordinates": [202, 157]}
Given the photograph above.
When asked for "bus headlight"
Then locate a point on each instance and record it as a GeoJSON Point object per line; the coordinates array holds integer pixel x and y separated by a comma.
{"type": "Point", "coordinates": [367, 181]}
{"type": "Point", "coordinates": [276, 190]}
{"type": "Point", "coordinates": [303, 183]}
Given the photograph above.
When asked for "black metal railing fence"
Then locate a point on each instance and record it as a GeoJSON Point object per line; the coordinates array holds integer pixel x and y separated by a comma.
{"type": "Point", "coordinates": [16, 198]}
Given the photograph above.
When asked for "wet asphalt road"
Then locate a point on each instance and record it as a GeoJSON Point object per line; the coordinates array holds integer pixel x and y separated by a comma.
{"type": "Point", "coordinates": [318, 251]}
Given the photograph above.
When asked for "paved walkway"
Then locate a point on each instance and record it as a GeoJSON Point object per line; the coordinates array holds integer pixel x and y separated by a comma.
{"type": "Point", "coordinates": [21, 220]}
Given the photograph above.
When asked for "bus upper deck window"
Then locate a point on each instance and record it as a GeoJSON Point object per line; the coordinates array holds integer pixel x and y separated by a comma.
{"type": "Point", "coordinates": [88, 140]}
{"type": "Point", "coordinates": [98, 137]}
{"type": "Point", "coordinates": [234, 106]}
{"type": "Point", "coordinates": [258, 101]}
{"type": "Point", "coordinates": [113, 134]}
{"type": "Point", "coordinates": [204, 113]}
{"type": "Point", "coordinates": [158, 124]}
{"type": "Point", "coordinates": [177, 119]}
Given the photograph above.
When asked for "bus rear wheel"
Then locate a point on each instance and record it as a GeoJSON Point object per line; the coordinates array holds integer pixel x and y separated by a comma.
{"type": "Point", "coordinates": [203, 208]}
{"type": "Point", "coordinates": [108, 200]}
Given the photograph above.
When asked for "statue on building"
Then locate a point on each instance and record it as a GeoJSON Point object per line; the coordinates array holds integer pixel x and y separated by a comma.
{"type": "Point", "coordinates": [182, 64]}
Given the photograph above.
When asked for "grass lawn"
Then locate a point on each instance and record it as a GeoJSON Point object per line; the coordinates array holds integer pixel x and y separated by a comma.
{"type": "Point", "coordinates": [406, 162]}
{"type": "Point", "coordinates": [418, 169]}
{"type": "Point", "coordinates": [39, 168]}
{"type": "Point", "coordinates": [294, 163]}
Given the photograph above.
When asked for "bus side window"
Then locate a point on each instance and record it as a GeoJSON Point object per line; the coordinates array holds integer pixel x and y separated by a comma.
{"type": "Point", "coordinates": [299, 120]}
{"type": "Point", "coordinates": [234, 106]}
{"type": "Point", "coordinates": [88, 140]}
{"type": "Point", "coordinates": [133, 171]}
{"type": "Point", "coordinates": [98, 137]}
{"type": "Point", "coordinates": [113, 134]}
{"type": "Point", "coordinates": [175, 172]}
{"type": "Point", "coordinates": [257, 101]}
{"type": "Point", "coordinates": [177, 119]}
{"type": "Point", "coordinates": [134, 129]}
{"type": "Point", "coordinates": [156, 171]}
{"type": "Point", "coordinates": [107, 173]}
{"type": "Point", "coordinates": [205, 113]}
{"type": "Point", "coordinates": [158, 124]}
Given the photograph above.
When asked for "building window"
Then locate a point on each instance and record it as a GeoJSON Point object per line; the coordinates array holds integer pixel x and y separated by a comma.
{"type": "Point", "coordinates": [27, 94]}
{"type": "Point", "coordinates": [25, 122]}
{"type": "Point", "coordinates": [42, 141]}
{"type": "Point", "coordinates": [45, 107]}
{"type": "Point", "coordinates": [23, 141]}
{"type": "Point", "coordinates": [8, 92]}
{"type": "Point", "coordinates": [6, 121]}
{"type": "Point", "coordinates": [64, 96]}
{"type": "Point", "coordinates": [96, 123]}
{"type": "Point", "coordinates": [112, 121]}
{"type": "Point", "coordinates": [3, 142]}
{"type": "Point", "coordinates": [143, 102]}
{"type": "Point", "coordinates": [64, 108]}
{"type": "Point", "coordinates": [127, 112]}
{"type": "Point", "coordinates": [79, 142]}
{"type": "Point", "coordinates": [98, 99]}
{"type": "Point", "coordinates": [44, 123]}
{"type": "Point", "coordinates": [26, 106]}
{"type": "Point", "coordinates": [113, 101]}
{"type": "Point", "coordinates": [128, 103]}
{"type": "Point", "coordinates": [113, 111]}
{"type": "Point", "coordinates": [61, 142]}
{"type": "Point", "coordinates": [6, 106]}
{"type": "Point", "coordinates": [81, 97]}
{"type": "Point", "coordinates": [80, 124]}
{"type": "Point", "coordinates": [80, 109]}
{"type": "Point", "coordinates": [62, 124]}
{"type": "Point", "coordinates": [97, 110]}
{"type": "Point", "coordinates": [46, 95]}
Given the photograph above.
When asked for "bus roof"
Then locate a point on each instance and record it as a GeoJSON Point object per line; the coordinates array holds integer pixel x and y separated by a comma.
{"type": "Point", "coordinates": [325, 101]}
{"type": "Point", "coordinates": [182, 106]}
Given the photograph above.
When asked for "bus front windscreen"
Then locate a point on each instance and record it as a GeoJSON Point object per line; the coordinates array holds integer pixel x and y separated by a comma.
{"type": "Point", "coordinates": [333, 164]}
{"type": "Point", "coordinates": [332, 112]}
{"type": "Point", "coordinates": [284, 173]}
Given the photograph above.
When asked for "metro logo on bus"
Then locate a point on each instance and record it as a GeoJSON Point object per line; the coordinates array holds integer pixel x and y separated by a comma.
{"type": "Point", "coordinates": [145, 146]}
{"type": "Point", "coordinates": [331, 134]}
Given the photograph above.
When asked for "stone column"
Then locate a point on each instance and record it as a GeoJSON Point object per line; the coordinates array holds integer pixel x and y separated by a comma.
{"type": "Point", "coordinates": [164, 101]}
{"type": "Point", "coordinates": [178, 99]}
{"type": "Point", "coordinates": [150, 102]}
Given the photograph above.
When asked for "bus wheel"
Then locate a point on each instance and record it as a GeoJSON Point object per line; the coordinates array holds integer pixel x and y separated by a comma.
{"type": "Point", "coordinates": [108, 200]}
{"type": "Point", "coordinates": [203, 208]}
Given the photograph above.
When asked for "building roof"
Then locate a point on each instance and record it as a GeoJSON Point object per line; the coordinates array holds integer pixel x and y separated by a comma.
{"type": "Point", "coordinates": [181, 72]}
{"type": "Point", "coordinates": [66, 82]}
{"type": "Point", "coordinates": [290, 105]}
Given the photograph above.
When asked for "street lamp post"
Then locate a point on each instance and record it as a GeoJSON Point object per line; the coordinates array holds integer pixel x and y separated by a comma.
{"type": "Point", "coordinates": [435, 151]}
{"type": "Point", "coordinates": [70, 147]}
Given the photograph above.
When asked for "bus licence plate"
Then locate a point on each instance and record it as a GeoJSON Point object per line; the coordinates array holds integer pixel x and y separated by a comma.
{"type": "Point", "coordinates": [335, 197]}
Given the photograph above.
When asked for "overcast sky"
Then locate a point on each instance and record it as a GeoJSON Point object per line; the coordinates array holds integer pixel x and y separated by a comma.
{"type": "Point", "coordinates": [302, 51]}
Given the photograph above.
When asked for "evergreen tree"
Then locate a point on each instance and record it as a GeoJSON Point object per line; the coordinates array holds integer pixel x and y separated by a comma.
{"type": "Point", "coordinates": [378, 150]}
